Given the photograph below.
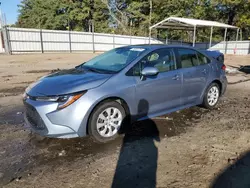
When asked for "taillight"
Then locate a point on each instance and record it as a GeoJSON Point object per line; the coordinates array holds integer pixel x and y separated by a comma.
{"type": "Point", "coordinates": [223, 67]}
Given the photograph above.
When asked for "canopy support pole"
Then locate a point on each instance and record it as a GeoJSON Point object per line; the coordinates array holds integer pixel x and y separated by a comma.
{"type": "Point", "coordinates": [225, 39]}
{"type": "Point", "coordinates": [194, 36]}
{"type": "Point", "coordinates": [211, 36]}
{"type": "Point", "coordinates": [241, 34]}
{"type": "Point", "coordinates": [225, 35]}
{"type": "Point", "coordinates": [150, 35]}
{"type": "Point", "coordinates": [182, 38]}
{"type": "Point", "coordinates": [237, 34]}
{"type": "Point", "coordinates": [166, 38]}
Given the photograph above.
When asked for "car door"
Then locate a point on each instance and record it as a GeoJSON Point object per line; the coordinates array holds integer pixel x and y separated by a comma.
{"type": "Point", "coordinates": [163, 91]}
{"type": "Point", "coordinates": [195, 70]}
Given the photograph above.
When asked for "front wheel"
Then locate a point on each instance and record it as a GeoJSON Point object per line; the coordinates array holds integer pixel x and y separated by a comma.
{"type": "Point", "coordinates": [106, 120]}
{"type": "Point", "coordinates": [211, 96]}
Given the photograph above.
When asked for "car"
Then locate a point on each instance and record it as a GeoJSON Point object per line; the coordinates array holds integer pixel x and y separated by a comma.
{"type": "Point", "coordinates": [103, 95]}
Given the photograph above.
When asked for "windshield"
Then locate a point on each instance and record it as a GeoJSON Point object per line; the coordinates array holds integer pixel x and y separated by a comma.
{"type": "Point", "coordinates": [114, 60]}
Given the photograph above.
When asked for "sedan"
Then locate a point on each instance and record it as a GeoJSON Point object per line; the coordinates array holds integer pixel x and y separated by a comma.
{"type": "Point", "coordinates": [127, 84]}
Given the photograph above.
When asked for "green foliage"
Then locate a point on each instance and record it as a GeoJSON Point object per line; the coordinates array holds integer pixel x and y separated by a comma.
{"type": "Point", "coordinates": [61, 14]}
{"type": "Point", "coordinates": [101, 17]}
{"type": "Point", "coordinates": [133, 18]}
{"type": "Point", "coordinates": [41, 14]}
{"type": "Point", "coordinates": [234, 12]}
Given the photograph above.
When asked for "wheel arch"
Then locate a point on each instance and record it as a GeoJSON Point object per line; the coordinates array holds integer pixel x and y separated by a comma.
{"type": "Point", "coordinates": [209, 83]}
{"type": "Point", "coordinates": [219, 84]}
{"type": "Point", "coordinates": [112, 98]}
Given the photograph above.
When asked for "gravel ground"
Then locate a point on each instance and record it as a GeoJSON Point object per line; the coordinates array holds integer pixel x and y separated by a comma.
{"type": "Point", "coordinates": [189, 148]}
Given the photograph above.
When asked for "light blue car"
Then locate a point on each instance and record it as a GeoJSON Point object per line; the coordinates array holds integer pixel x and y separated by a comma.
{"type": "Point", "coordinates": [132, 83]}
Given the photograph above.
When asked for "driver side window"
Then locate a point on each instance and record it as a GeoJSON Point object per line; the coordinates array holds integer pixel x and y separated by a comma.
{"type": "Point", "coordinates": [153, 57]}
{"type": "Point", "coordinates": [162, 59]}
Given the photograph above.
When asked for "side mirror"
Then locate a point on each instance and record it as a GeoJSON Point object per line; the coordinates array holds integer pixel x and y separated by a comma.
{"type": "Point", "coordinates": [149, 71]}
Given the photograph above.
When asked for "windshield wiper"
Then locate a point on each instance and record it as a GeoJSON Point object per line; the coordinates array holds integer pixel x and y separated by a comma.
{"type": "Point", "coordinates": [80, 66]}
{"type": "Point", "coordinates": [100, 71]}
{"type": "Point", "coordinates": [93, 70]}
{"type": "Point", "coordinates": [87, 68]}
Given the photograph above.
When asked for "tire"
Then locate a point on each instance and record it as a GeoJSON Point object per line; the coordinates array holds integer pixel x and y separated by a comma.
{"type": "Point", "coordinates": [101, 125]}
{"type": "Point", "coordinates": [211, 100]}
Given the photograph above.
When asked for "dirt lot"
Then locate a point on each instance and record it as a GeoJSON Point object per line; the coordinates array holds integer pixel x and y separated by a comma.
{"type": "Point", "coordinates": [189, 148]}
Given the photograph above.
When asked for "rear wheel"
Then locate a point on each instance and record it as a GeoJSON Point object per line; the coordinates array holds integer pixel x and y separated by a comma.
{"type": "Point", "coordinates": [211, 96]}
{"type": "Point", "coordinates": [106, 120]}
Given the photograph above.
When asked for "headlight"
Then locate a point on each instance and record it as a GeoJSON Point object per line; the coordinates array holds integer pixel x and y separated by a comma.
{"type": "Point", "coordinates": [63, 100]}
{"type": "Point", "coordinates": [48, 99]}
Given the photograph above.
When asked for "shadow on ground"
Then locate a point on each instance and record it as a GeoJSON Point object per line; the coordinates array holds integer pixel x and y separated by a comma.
{"type": "Point", "coordinates": [137, 163]}
{"type": "Point", "coordinates": [138, 151]}
{"type": "Point", "coordinates": [237, 175]}
{"type": "Point", "coordinates": [245, 69]}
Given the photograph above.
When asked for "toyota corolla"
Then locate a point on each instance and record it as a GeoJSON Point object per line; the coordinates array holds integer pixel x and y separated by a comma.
{"type": "Point", "coordinates": [139, 82]}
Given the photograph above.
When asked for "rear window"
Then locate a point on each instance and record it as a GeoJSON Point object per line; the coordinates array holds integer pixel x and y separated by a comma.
{"type": "Point", "coordinates": [202, 59]}
{"type": "Point", "coordinates": [191, 58]}
{"type": "Point", "coordinates": [188, 58]}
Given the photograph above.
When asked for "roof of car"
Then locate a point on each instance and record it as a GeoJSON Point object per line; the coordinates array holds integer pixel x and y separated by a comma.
{"type": "Point", "coordinates": [157, 46]}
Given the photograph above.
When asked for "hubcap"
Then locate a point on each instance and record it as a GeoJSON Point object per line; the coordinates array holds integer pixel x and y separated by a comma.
{"type": "Point", "coordinates": [213, 96]}
{"type": "Point", "coordinates": [109, 122]}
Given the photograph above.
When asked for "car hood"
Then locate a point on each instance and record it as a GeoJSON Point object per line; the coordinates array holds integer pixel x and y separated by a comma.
{"type": "Point", "coordinates": [66, 81]}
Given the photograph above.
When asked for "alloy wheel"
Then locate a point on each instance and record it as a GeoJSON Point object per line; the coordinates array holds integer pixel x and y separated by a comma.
{"type": "Point", "coordinates": [109, 122]}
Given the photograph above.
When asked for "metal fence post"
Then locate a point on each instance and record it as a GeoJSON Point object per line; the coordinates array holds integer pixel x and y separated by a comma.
{"type": "Point", "coordinates": [41, 40]}
{"type": "Point", "coordinates": [235, 47]}
{"type": "Point", "coordinates": [8, 40]}
{"type": "Point", "coordinates": [5, 40]}
{"type": "Point", "coordinates": [93, 41]}
{"type": "Point", "coordinates": [70, 47]}
{"type": "Point", "coordinates": [1, 40]}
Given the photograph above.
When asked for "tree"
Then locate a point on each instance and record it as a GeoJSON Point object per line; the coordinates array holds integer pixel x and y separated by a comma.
{"type": "Point", "coordinates": [101, 17]}
{"type": "Point", "coordinates": [77, 12]}
{"type": "Point", "coordinates": [132, 16]}
{"type": "Point", "coordinates": [234, 12]}
{"type": "Point", "coordinates": [61, 14]}
{"type": "Point", "coordinates": [41, 14]}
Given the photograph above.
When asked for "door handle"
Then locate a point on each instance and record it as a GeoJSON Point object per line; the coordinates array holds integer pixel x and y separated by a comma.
{"type": "Point", "coordinates": [176, 77]}
{"type": "Point", "coordinates": [204, 71]}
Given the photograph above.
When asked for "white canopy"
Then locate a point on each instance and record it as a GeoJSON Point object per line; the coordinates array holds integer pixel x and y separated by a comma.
{"type": "Point", "coordinates": [188, 23]}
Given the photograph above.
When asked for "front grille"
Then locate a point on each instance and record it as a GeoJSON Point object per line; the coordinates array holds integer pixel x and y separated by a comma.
{"type": "Point", "coordinates": [34, 118]}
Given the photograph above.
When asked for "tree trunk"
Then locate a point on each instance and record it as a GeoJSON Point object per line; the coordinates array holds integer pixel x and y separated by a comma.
{"type": "Point", "coordinates": [91, 15]}
{"type": "Point", "coordinates": [231, 16]}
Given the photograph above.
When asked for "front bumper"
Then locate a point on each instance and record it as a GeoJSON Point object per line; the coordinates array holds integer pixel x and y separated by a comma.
{"type": "Point", "coordinates": [46, 120]}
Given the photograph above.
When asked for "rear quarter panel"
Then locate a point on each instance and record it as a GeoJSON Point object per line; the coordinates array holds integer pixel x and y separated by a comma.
{"type": "Point", "coordinates": [215, 74]}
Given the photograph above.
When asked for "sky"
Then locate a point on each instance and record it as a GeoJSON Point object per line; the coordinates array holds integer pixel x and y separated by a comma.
{"type": "Point", "coordinates": [9, 7]}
